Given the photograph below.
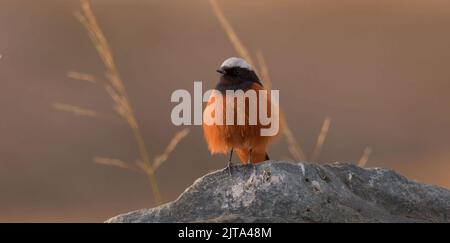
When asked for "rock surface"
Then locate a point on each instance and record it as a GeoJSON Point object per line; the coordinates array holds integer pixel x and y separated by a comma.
{"type": "Point", "coordinates": [301, 192]}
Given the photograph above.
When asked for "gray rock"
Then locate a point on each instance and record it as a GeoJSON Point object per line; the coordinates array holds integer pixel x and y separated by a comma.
{"type": "Point", "coordinates": [301, 192]}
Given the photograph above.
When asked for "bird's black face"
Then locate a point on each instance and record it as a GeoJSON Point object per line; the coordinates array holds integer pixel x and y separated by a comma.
{"type": "Point", "coordinates": [234, 78]}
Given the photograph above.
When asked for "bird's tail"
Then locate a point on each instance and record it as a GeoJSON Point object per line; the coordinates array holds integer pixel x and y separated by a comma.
{"type": "Point", "coordinates": [267, 157]}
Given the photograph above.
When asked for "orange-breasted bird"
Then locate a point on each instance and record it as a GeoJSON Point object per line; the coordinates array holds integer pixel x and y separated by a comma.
{"type": "Point", "coordinates": [246, 140]}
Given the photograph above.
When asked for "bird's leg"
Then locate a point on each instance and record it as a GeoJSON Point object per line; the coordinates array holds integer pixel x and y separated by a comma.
{"type": "Point", "coordinates": [229, 161]}
{"type": "Point", "coordinates": [250, 161]}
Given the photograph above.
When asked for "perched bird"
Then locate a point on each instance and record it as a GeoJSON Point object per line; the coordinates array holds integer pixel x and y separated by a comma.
{"type": "Point", "coordinates": [245, 140]}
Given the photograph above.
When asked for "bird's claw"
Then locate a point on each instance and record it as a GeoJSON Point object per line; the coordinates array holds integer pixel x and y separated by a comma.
{"type": "Point", "coordinates": [229, 168]}
{"type": "Point", "coordinates": [251, 165]}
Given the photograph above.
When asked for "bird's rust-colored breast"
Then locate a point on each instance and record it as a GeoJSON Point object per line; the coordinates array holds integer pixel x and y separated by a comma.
{"type": "Point", "coordinates": [221, 138]}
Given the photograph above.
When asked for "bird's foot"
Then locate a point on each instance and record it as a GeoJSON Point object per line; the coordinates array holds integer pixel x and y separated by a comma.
{"type": "Point", "coordinates": [229, 166]}
{"type": "Point", "coordinates": [252, 166]}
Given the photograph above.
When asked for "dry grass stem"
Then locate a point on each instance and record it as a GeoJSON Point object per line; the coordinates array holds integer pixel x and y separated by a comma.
{"type": "Point", "coordinates": [321, 138]}
{"type": "Point", "coordinates": [76, 110]}
{"type": "Point", "coordinates": [365, 157]}
{"type": "Point", "coordinates": [293, 146]}
{"type": "Point", "coordinates": [229, 30]}
{"type": "Point", "coordinates": [242, 51]}
{"type": "Point", "coordinates": [116, 163]}
{"type": "Point", "coordinates": [82, 76]}
{"type": "Point", "coordinates": [264, 69]}
{"type": "Point", "coordinates": [160, 159]}
{"type": "Point", "coordinates": [116, 88]}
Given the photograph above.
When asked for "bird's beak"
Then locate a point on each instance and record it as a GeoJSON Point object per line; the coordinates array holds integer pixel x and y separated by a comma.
{"type": "Point", "coordinates": [221, 71]}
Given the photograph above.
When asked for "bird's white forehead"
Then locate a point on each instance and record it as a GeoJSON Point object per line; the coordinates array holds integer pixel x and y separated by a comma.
{"type": "Point", "coordinates": [236, 62]}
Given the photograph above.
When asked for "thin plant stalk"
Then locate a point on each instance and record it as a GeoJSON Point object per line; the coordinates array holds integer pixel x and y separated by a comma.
{"type": "Point", "coordinates": [117, 91]}
{"type": "Point", "coordinates": [365, 157]}
{"type": "Point", "coordinates": [321, 138]}
{"type": "Point", "coordinates": [294, 146]}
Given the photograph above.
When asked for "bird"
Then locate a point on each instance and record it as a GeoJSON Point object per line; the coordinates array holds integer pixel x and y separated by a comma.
{"type": "Point", "coordinates": [246, 140]}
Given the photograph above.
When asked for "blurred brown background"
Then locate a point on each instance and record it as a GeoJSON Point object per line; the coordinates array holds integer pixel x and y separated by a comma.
{"type": "Point", "coordinates": [379, 69]}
